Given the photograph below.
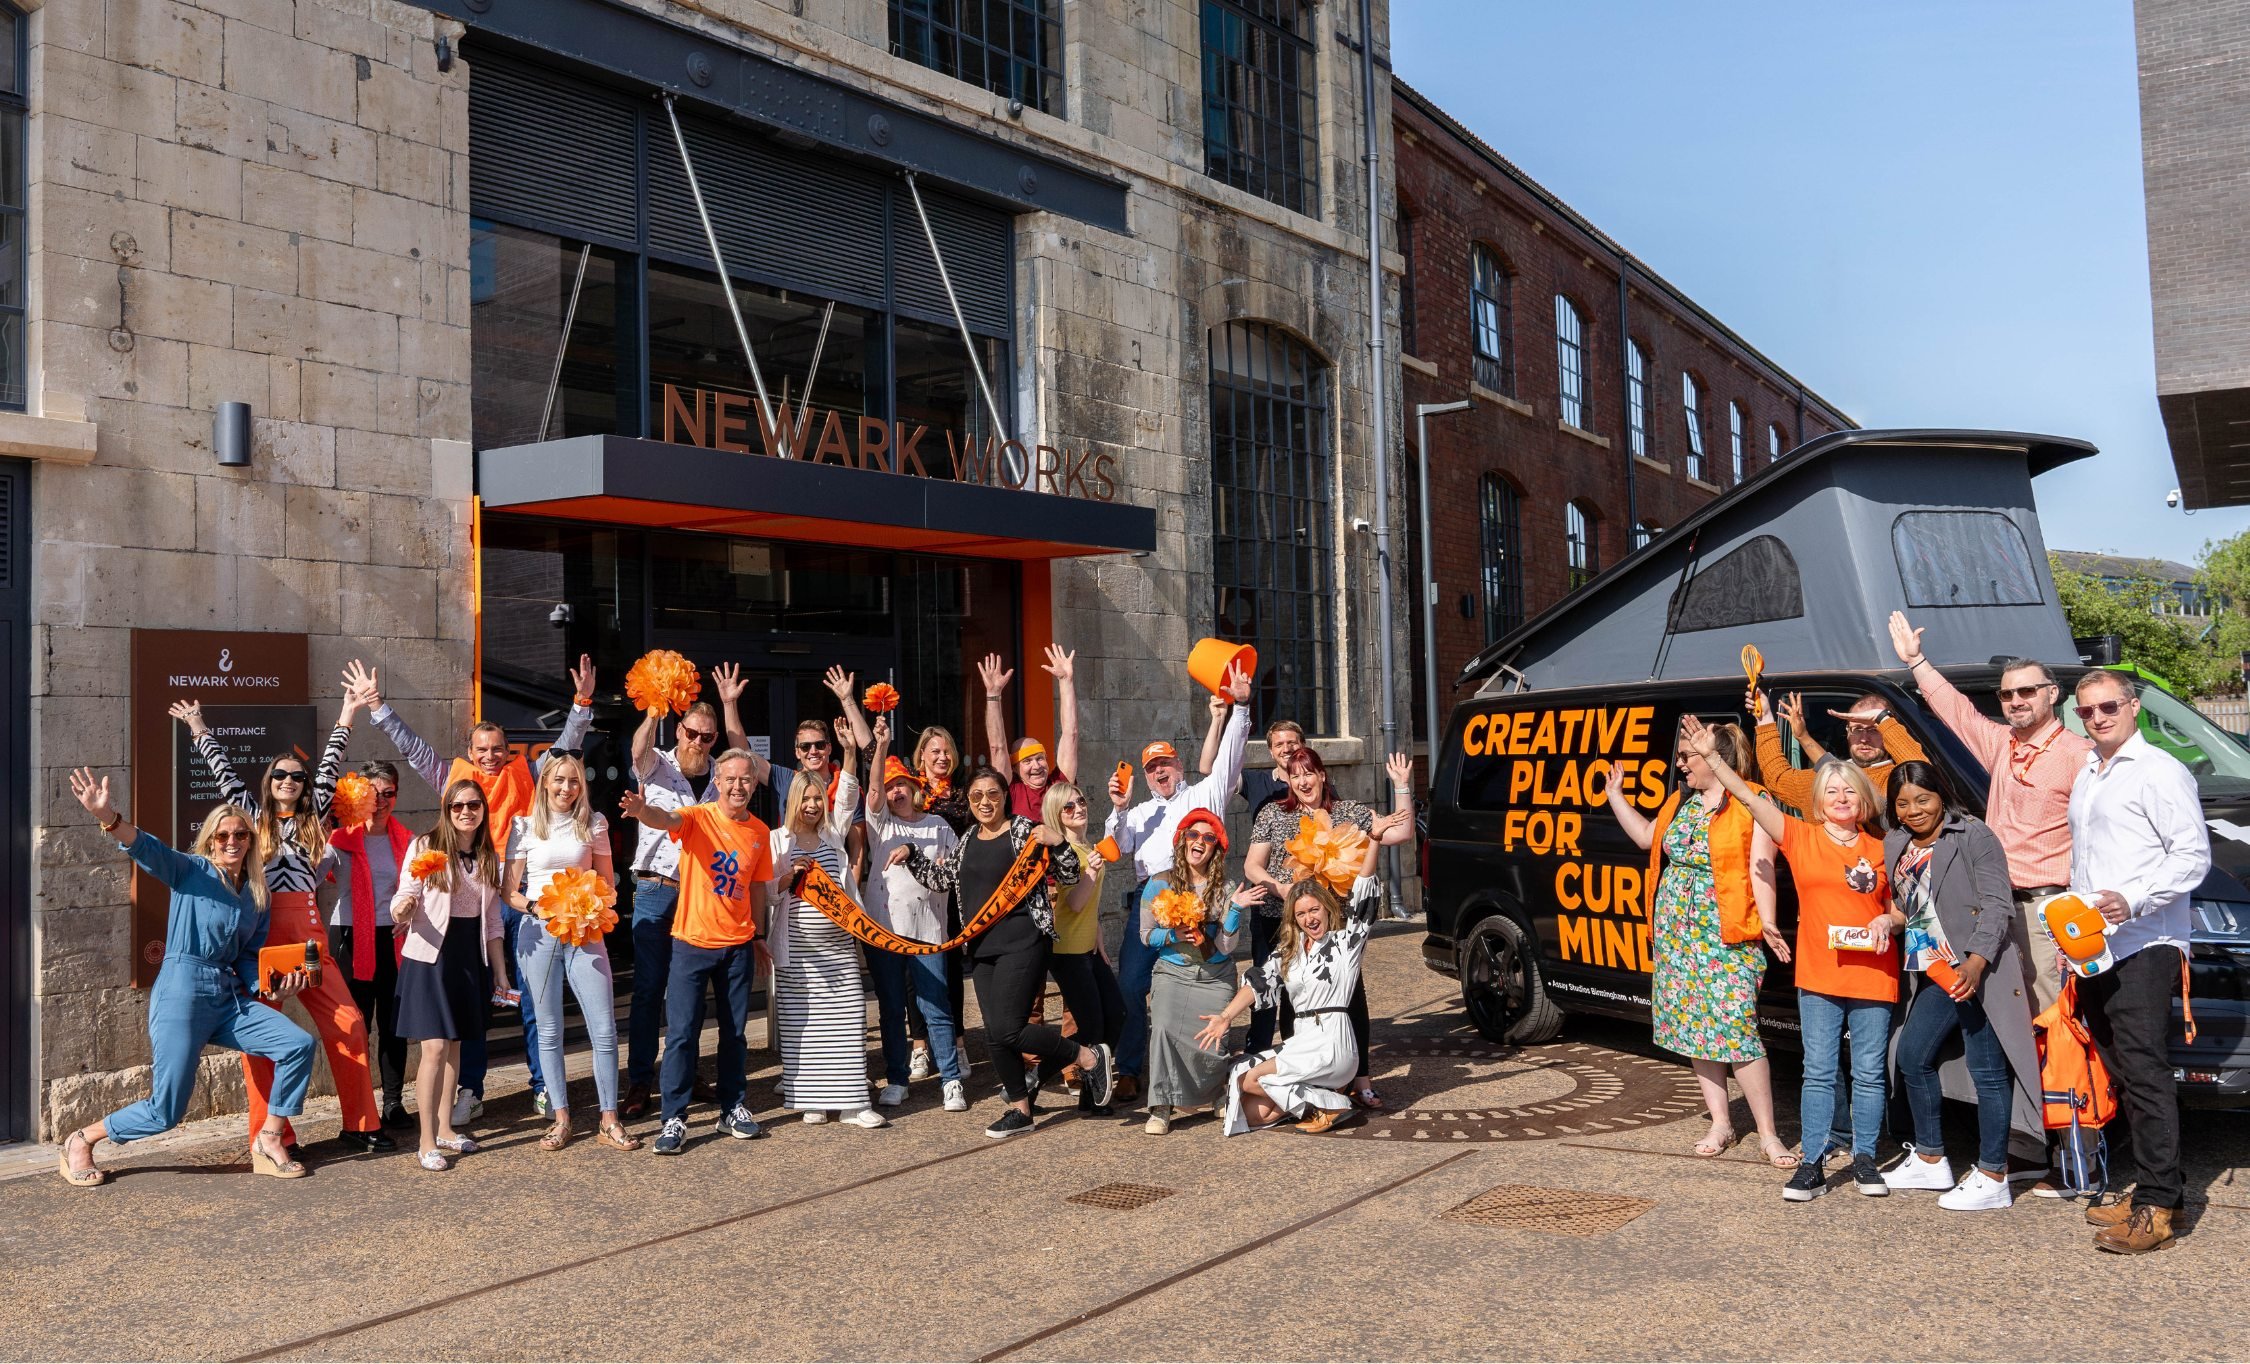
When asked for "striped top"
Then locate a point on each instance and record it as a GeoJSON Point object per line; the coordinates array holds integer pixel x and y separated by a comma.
{"type": "Point", "coordinates": [289, 870]}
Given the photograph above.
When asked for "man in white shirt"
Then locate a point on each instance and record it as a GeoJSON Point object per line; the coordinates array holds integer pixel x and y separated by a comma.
{"type": "Point", "coordinates": [670, 780]}
{"type": "Point", "coordinates": [2138, 850]}
{"type": "Point", "coordinates": [1143, 834]}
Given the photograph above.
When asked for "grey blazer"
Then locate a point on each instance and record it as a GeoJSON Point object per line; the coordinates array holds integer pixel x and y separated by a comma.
{"type": "Point", "coordinates": [1968, 883]}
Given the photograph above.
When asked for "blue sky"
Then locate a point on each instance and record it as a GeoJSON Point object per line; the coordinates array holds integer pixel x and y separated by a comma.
{"type": "Point", "coordinates": [1928, 210]}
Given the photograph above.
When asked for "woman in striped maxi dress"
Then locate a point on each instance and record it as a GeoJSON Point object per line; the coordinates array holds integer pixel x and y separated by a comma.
{"type": "Point", "coordinates": [820, 1001]}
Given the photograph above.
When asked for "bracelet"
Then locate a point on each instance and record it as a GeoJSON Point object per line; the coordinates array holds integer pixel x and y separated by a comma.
{"type": "Point", "coordinates": [1917, 661]}
{"type": "Point", "coordinates": [582, 700]}
{"type": "Point", "coordinates": [114, 821]}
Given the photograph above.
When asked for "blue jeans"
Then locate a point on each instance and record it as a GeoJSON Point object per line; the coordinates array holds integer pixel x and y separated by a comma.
{"type": "Point", "coordinates": [653, 903]}
{"type": "Point", "coordinates": [546, 964]}
{"type": "Point", "coordinates": [475, 1059]}
{"type": "Point", "coordinates": [728, 970]}
{"type": "Point", "coordinates": [1930, 1019]}
{"type": "Point", "coordinates": [1826, 1018]}
{"type": "Point", "coordinates": [895, 976]}
{"type": "Point", "coordinates": [1136, 966]}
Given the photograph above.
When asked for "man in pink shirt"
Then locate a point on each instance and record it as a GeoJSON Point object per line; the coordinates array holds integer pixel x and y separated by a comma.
{"type": "Point", "coordinates": [2034, 761]}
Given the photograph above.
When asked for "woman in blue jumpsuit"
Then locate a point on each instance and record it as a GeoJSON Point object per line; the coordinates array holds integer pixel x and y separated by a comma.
{"type": "Point", "coordinates": [205, 991]}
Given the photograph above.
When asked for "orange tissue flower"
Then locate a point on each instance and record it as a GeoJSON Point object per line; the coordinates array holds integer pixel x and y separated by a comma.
{"type": "Point", "coordinates": [1327, 851]}
{"type": "Point", "coordinates": [425, 864]}
{"type": "Point", "coordinates": [578, 907]}
{"type": "Point", "coordinates": [880, 698]}
{"type": "Point", "coordinates": [353, 805]}
{"type": "Point", "coordinates": [1179, 910]}
{"type": "Point", "coordinates": [663, 682]}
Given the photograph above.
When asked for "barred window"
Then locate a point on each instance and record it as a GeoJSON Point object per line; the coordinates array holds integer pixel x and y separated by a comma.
{"type": "Point", "coordinates": [1407, 336]}
{"type": "Point", "coordinates": [13, 112]}
{"type": "Point", "coordinates": [1271, 550]}
{"type": "Point", "coordinates": [1734, 440]}
{"type": "Point", "coordinates": [1644, 531]}
{"type": "Point", "coordinates": [1491, 322]}
{"type": "Point", "coordinates": [1260, 104]}
{"type": "Point", "coordinates": [1581, 529]}
{"type": "Point", "coordinates": [1691, 411]}
{"type": "Point", "coordinates": [1500, 528]}
{"type": "Point", "coordinates": [1010, 47]}
{"type": "Point", "coordinates": [1637, 402]}
{"type": "Point", "coordinates": [1570, 362]}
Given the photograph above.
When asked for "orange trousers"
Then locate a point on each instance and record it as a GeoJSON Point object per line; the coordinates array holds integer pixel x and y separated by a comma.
{"type": "Point", "coordinates": [343, 1032]}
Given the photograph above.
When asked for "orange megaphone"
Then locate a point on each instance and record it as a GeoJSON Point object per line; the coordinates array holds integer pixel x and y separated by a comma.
{"type": "Point", "coordinates": [1211, 660]}
{"type": "Point", "coordinates": [2081, 932]}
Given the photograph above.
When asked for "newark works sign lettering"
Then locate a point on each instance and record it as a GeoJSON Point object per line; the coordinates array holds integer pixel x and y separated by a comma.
{"type": "Point", "coordinates": [718, 420]}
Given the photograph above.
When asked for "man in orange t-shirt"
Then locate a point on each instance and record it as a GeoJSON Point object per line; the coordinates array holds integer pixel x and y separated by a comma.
{"type": "Point", "coordinates": [726, 863]}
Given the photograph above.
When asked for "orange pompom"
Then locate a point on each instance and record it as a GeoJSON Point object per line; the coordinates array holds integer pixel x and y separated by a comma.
{"type": "Point", "coordinates": [663, 682]}
{"type": "Point", "coordinates": [880, 698]}
{"type": "Point", "coordinates": [425, 864]}
{"type": "Point", "coordinates": [353, 805]}
{"type": "Point", "coordinates": [1327, 851]}
{"type": "Point", "coordinates": [1178, 910]}
{"type": "Point", "coordinates": [578, 907]}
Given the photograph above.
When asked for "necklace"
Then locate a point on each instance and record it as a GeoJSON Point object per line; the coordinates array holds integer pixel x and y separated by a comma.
{"type": "Point", "coordinates": [1841, 841]}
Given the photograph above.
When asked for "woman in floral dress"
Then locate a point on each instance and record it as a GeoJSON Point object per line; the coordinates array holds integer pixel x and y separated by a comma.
{"type": "Point", "coordinates": [1705, 849]}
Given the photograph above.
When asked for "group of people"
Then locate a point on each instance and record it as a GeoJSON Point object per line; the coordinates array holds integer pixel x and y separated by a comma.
{"type": "Point", "coordinates": [1895, 881]}
{"type": "Point", "coordinates": [908, 880]}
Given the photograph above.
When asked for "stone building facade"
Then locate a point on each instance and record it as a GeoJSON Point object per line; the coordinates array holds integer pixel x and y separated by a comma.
{"type": "Point", "coordinates": [313, 207]}
{"type": "Point", "coordinates": [1527, 502]}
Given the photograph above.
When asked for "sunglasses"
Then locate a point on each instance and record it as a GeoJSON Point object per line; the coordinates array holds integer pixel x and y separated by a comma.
{"type": "Point", "coordinates": [2029, 693]}
{"type": "Point", "coordinates": [386, 793]}
{"type": "Point", "coordinates": [813, 747]}
{"type": "Point", "coordinates": [1202, 836]}
{"type": "Point", "coordinates": [984, 798]}
{"type": "Point", "coordinates": [231, 836]}
{"type": "Point", "coordinates": [461, 805]}
{"type": "Point", "coordinates": [701, 736]}
{"type": "Point", "coordinates": [294, 774]}
{"type": "Point", "coordinates": [1074, 805]}
{"type": "Point", "coordinates": [2105, 708]}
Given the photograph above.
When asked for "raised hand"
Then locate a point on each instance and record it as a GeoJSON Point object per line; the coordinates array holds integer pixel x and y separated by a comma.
{"type": "Point", "coordinates": [1697, 738]}
{"type": "Point", "coordinates": [1906, 641]}
{"type": "Point", "coordinates": [1385, 823]}
{"type": "Point", "coordinates": [1793, 713]}
{"type": "Point", "coordinates": [840, 682]}
{"type": "Point", "coordinates": [360, 678]}
{"type": "Point", "coordinates": [1754, 701]}
{"type": "Point", "coordinates": [1060, 665]}
{"type": "Point", "coordinates": [1118, 788]}
{"type": "Point", "coordinates": [996, 678]}
{"type": "Point", "coordinates": [582, 677]}
{"type": "Point", "coordinates": [882, 731]}
{"type": "Point", "coordinates": [1238, 684]}
{"type": "Point", "coordinates": [727, 677]}
{"type": "Point", "coordinates": [189, 713]}
{"type": "Point", "coordinates": [92, 794]}
{"type": "Point", "coordinates": [842, 727]}
{"type": "Point", "coordinates": [1856, 717]}
{"type": "Point", "coordinates": [1401, 768]}
{"type": "Point", "coordinates": [1219, 706]}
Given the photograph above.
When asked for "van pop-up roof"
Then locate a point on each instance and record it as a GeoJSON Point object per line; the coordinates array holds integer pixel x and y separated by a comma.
{"type": "Point", "coordinates": [1808, 559]}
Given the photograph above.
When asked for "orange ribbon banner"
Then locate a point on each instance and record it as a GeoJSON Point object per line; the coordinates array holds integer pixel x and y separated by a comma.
{"type": "Point", "coordinates": [819, 889]}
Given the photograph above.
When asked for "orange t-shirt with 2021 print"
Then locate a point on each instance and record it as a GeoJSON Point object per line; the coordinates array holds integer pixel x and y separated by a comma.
{"type": "Point", "coordinates": [1846, 884]}
{"type": "Point", "coordinates": [720, 860]}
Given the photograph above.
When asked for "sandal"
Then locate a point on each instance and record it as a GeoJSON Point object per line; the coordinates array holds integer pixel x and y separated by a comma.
{"type": "Point", "coordinates": [263, 1164]}
{"type": "Point", "coordinates": [1366, 1097]}
{"type": "Point", "coordinates": [1712, 1146]}
{"type": "Point", "coordinates": [82, 1179]}
{"type": "Point", "coordinates": [616, 1138]}
{"type": "Point", "coordinates": [433, 1160]}
{"type": "Point", "coordinates": [558, 1136]}
{"type": "Point", "coordinates": [1787, 1160]}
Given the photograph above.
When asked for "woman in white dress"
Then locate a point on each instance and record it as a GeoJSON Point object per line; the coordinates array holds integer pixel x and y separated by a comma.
{"type": "Point", "coordinates": [1315, 960]}
{"type": "Point", "coordinates": [562, 833]}
{"type": "Point", "coordinates": [820, 995]}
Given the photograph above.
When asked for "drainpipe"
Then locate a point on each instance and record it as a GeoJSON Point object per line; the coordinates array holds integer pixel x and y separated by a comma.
{"type": "Point", "coordinates": [1375, 405]}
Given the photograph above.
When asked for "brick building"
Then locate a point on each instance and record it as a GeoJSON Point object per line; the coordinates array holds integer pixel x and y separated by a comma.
{"type": "Point", "coordinates": [1578, 447]}
{"type": "Point", "coordinates": [451, 258]}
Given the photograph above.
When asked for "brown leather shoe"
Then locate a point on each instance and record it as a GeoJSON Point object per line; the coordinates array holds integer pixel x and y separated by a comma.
{"type": "Point", "coordinates": [2146, 1230]}
{"type": "Point", "coordinates": [1322, 1120]}
{"type": "Point", "coordinates": [1127, 1087]}
{"type": "Point", "coordinates": [2110, 1214]}
{"type": "Point", "coordinates": [636, 1103]}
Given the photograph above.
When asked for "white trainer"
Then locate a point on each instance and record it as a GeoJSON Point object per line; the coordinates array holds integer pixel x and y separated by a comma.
{"type": "Point", "coordinates": [919, 1067]}
{"type": "Point", "coordinates": [467, 1108]}
{"type": "Point", "coordinates": [1159, 1121]}
{"type": "Point", "coordinates": [868, 1117]}
{"type": "Point", "coordinates": [1980, 1192]}
{"type": "Point", "coordinates": [1913, 1172]}
{"type": "Point", "coordinates": [892, 1096]}
{"type": "Point", "coordinates": [956, 1097]}
{"type": "Point", "coordinates": [815, 1116]}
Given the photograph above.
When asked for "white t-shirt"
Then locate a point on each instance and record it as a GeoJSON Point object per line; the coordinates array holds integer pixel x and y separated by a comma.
{"type": "Point", "coordinates": [560, 850]}
{"type": "Point", "coordinates": [894, 898]}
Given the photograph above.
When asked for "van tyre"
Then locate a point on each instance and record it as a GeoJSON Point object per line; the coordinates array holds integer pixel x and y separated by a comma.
{"type": "Point", "coordinates": [1501, 985]}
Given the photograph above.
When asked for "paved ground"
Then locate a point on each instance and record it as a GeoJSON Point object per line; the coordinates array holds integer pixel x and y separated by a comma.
{"type": "Point", "coordinates": [926, 1240]}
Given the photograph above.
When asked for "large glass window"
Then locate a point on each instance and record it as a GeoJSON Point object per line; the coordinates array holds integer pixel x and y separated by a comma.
{"type": "Point", "coordinates": [1271, 474]}
{"type": "Point", "coordinates": [1581, 529]}
{"type": "Point", "coordinates": [1261, 112]}
{"type": "Point", "coordinates": [1734, 440]}
{"type": "Point", "coordinates": [1490, 322]}
{"type": "Point", "coordinates": [692, 345]}
{"type": "Point", "coordinates": [1570, 362]}
{"type": "Point", "coordinates": [13, 112]}
{"type": "Point", "coordinates": [544, 327]}
{"type": "Point", "coordinates": [1691, 412]}
{"type": "Point", "coordinates": [1010, 47]}
{"type": "Point", "coordinates": [937, 388]}
{"type": "Point", "coordinates": [1500, 534]}
{"type": "Point", "coordinates": [1637, 403]}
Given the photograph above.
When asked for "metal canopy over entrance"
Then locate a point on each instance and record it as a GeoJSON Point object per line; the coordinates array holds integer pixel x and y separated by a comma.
{"type": "Point", "coordinates": [621, 480]}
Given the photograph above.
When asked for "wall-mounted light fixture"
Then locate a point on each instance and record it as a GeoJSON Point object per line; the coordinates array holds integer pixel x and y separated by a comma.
{"type": "Point", "coordinates": [230, 435]}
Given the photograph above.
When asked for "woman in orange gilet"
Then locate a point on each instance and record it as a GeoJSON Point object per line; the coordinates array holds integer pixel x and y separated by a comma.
{"type": "Point", "coordinates": [1708, 946]}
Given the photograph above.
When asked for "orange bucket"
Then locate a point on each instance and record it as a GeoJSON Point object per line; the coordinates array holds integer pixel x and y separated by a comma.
{"type": "Point", "coordinates": [1211, 660]}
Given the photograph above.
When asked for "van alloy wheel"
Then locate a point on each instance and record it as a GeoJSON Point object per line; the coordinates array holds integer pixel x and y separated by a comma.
{"type": "Point", "coordinates": [1500, 984]}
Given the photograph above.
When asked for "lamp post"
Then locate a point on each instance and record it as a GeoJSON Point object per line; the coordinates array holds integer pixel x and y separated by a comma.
{"type": "Point", "coordinates": [1422, 414]}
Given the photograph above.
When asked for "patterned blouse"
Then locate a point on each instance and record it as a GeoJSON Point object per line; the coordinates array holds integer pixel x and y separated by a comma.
{"type": "Point", "coordinates": [943, 873]}
{"type": "Point", "coordinates": [1276, 825]}
{"type": "Point", "coordinates": [289, 870]}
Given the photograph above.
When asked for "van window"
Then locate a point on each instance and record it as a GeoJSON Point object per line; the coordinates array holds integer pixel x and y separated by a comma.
{"type": "Point", "coordinates": [2219, 761]}
{"type": "Point", "coordinates": [1965, 558]}
{"type": "Point", "coordinates": [1756, 581]}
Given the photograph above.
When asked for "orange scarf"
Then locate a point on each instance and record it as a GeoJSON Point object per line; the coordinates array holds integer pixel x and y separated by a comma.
{"type": "Point", "coordinates": [818, 889]}
{"type": "Point", "coordinates": [507, 794]}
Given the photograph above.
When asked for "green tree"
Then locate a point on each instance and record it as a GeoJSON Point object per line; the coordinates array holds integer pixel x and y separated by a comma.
{"type": "Point", "coordinates": [2194, 662]}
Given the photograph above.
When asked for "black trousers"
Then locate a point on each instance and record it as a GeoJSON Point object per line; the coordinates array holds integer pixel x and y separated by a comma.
{"type": "Point", "coordinates": [378, 1003]}
{"type": "Point", "coordinates": [1089, 991]}
{"type": "Point", "coordinates": [2129, 1010]}
{"type": "Point", "coordinates": [1007, 985]}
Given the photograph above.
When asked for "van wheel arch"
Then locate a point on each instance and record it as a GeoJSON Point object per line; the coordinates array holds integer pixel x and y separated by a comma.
{"type": "Point", "coordinates": [1502, 987]}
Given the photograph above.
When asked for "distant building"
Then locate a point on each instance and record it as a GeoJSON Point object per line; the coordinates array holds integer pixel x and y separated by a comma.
{"type": "Point", "coordinates": [2184, 596]}
{"type": "Point", "coordinates": [2195, 166]}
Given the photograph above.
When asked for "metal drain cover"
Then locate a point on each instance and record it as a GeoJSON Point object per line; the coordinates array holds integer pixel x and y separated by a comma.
{"type": "Point", "coordinates": [1120, 1197]}
{"type": "Point", "coordinates": [1468, 1090]}
{"type": "Point", "coordinates": [1562, 1212]}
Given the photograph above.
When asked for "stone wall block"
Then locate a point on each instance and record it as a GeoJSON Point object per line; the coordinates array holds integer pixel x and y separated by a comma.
{"type": "Point", "coordinates": [326, 523]}
{"type": "Point", "coordinates": [432, 350]}
{"type": "Point", "coordinates": [155, 589]}
{"type": "Point", "coordinates": [382, 600]}
{"type": "Point", "coordinates": [163, 35]}
{"type": "Point", "coordinates": [308, 329]}
{"type": "Point", "coordinates": [221, 121]}
{"type": "Point", "coordinates": [217, 375]}
{"type": "Point", "coordinates": [399, 226]}
{"type": "Point", "coordinates": [180, 307]}
{"type": "Point", "coordinates": [336, 273]}
{"type": "Point", "coordinates": [294, 452]}
{"type": "Point", "coordinates": [334, 395]}
{"type": "Point", "coordinates": [383, 463]}
{"type": "Point", "coordinates": [234, 252]}
{"type": "Point", "coordinates": [90, 156]}
{"type": "Point", "coordinates": [318, 146]}
{"type": "Point", "coordinates": [413, 672]}
{"type": "Point", "coordinates": [239, 511]}
{"type": "Point", "coordinates": [411, 531]}
{"type": "Point", "coordinates": [74, 661]}
{"type": "Point", "coordinates": [392, 101]}
{"type": "Point", "coordinates": [415, 170]}
{"type": "Point", "coordinates": [283, 391]}
{"type": "Point", "coordinates": [94, 227]}
{"type": "Point", "coordinates": [287, 72]}
{"type": "Point", "coordinates": [82, 360]}
{"type": "Point", "coordinates": [441, 410]}
{"type": "Point", "coordinates": [285, 594]}
{"type": "Point", "coordinates": [106, 505]}
{"type": "Point", "coordinates": [129, 97]}
{"type": "Point", "coordinates": [291, 200]}
{"type": "Point", "coordinates": [277, 15]}
{"type": "Point", "coordinates": [81, 949]}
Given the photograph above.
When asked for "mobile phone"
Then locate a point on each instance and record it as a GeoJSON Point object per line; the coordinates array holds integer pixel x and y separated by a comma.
{"type": "Point", "coordinates": [1125, 777]}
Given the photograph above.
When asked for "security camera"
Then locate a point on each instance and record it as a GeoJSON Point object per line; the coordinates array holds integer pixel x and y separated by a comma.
{"type": "Point", "coordinates": [560, 616]}
{"type": "Point", "coordinates": [1362, 524]}
{"type": "Point", "coordinates": [2172, 498]}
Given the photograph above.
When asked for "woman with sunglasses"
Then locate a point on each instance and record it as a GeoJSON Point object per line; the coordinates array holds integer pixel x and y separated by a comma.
{"type": "Point", "coordinates": [205, 992]}
{"type": "Point", "coordinates": [289, 805]}
{"type": "Point", "coordinates": [1008, 961]}
{"type": "Point", "coordinates": [450, 916]}
{"type": "Point", "coordinates": [820, 1001]}
{"type": "Point", "coordinates": [1089, 986]}
{"type": "Point", "coordinates": [1194, 974]}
